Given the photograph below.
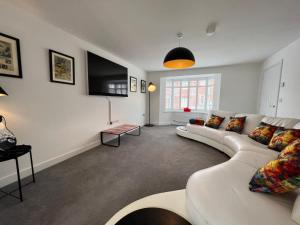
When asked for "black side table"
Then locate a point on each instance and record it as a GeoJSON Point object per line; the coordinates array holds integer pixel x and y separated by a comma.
{"type": "Point", "coordinates": [15, 153]}
{"type": "Point", "coordinates": [152, 216]}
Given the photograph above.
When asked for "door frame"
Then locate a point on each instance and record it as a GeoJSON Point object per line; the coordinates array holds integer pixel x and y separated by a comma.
{"type": "Point", "coordinates": [280, 62]}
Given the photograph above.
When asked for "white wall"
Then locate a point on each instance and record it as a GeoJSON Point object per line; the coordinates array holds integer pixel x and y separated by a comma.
{"type": "Point", "coordinates": [58, 120]}
{"type": "Point", "coordinates": [239, 86]}
{"type": "Point", "coordinates": [290, 93]}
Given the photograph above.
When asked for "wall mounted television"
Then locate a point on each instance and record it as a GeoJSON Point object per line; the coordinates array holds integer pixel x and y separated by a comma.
{"type": "Point", "coordinates": [106, 77]}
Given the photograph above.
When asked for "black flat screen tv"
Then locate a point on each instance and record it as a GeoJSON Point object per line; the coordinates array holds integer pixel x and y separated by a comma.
{"type": "Point", "coordinates": [106, 77]}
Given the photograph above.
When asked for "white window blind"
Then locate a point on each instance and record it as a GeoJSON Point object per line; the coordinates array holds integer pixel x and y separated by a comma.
{"type": "Point", "coordinates": [200, 93]}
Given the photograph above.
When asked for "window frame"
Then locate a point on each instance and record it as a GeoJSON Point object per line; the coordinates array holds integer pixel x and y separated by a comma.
{"type": "Point", "coordinates": [206, 77]}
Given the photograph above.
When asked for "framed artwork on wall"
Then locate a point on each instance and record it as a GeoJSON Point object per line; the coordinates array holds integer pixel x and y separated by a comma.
{"type": "Point", "coordinates": [10, 56]}
{"type": "Point", "coordinates": [133, 84]}
{"type": "Point", "coordinates": [143, 86]}
{"type": "Point", "coordinates": [62, 68]}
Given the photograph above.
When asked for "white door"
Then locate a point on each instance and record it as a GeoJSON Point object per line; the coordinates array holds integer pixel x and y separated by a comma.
{"type": "Point", "coordinates": [270, 90]}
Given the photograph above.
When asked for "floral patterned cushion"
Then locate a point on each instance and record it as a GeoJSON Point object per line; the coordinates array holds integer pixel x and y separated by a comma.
{"type": "Point", "coordinates": [282, 138]}
{"type": "Point", "coordinates": [291, 150]}
{"type": "Point", "coordinates": [281, 175]}
{"type": "Point", "coordinates": [197, 121]}
{"type": "Point", "coordinates": [263, 133]}
{"type": "Point", "coordinates": [214, 121]}
{"type": "Point", "coordinates": [236, 124]}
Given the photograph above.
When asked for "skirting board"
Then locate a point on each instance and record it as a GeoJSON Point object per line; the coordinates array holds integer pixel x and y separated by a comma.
{"type": "Point", "coordinates": [45, 164]}
{"type": "Point", "coordinates": [161, 123]}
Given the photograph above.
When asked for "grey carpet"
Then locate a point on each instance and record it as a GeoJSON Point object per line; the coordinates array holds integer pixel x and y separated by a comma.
{"type": "Point", "coordinates": [90, 188]}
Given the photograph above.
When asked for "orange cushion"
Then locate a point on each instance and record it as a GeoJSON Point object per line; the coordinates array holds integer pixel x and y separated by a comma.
{"type": "Point", "coordinates": [236, 124]}
{"type": "Point", "coordinates": [214, 121]}
{"type": "Point", "coordinates": [263, 133]}
{"type": "Point", "coordinates": [282, 138]}
{"type": "Point", "coordinates": [281, 175]}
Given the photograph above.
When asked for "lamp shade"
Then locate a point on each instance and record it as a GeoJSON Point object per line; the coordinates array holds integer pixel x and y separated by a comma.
{"type": "Point", "coordinates": [2, 92]}
{"type": "Point", "coordinates": [151, 87]}
{"type": "Point", "coordinates": [179, 58]}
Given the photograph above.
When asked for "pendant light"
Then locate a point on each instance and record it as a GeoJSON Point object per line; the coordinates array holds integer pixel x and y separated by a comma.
{"type": "Point", "coordinates": [180, 57]}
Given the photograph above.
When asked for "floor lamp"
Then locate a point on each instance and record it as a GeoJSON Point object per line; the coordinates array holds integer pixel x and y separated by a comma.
{"type": "Point", "coordinates": [151, 88]}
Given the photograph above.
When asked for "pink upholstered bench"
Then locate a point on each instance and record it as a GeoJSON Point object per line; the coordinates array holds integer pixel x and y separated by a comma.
{"type": "Point", "coordinates": [118, 131]}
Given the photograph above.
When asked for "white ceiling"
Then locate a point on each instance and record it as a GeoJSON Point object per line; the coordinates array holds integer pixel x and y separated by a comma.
{"type": "Point", "coordinates": [143, 31]}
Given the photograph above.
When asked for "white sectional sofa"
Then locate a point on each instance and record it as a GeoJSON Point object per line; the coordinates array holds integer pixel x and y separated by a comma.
{"type": "Point", "coordinates": [220, 195]}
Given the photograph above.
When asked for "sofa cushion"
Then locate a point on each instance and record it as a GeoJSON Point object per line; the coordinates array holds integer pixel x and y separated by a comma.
{"type": "Point", "coordinates": [281, 175]}
{"type": "Point", "coordinates": [281, 122]}
{"type": "Point", "coordinates": [197, 121]}
{"type": "Point", "coordinates": [244, 143]}
{"type": "Point", "coordinates": [211, 133]}
{"type": "Point", "coordinates": [251, 122]}
{"type": "Point", "coordinates": [221, 196]}
{"type": "Point", "coordinates": [214, 121]}
{"type": "Point", "coordinates": [253, 159]}
{"type": "Point", "coordinates": [236, 124]}
{"type": "Point", "coordinates": [282, 138]}
{"type": "Point", "coordinates": [291, 150]}
{"type": "Point", "coordinates": [226, 114]}
{"type": "Point", "coordinates": [263, 133]}
{"type": "Point", "coordinates": [296, 210]}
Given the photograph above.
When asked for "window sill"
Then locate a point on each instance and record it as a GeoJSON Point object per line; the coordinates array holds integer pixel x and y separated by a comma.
{"type": "Point", "coordinates": [173, 111]}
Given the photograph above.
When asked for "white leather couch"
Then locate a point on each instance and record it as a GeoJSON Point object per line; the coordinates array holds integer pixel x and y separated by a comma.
{"type": "Point", "coordinates": [220, 195]}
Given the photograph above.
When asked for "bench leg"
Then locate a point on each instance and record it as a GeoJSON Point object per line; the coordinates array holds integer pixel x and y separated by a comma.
{"type": "Point", "coordinates": [32, 170]}
{"type": "Point", "coordinates": [105, 143]}
{"type": "Point", "coordinates": [101, 138]}
{"type": "Point", "coordinates": [19, 180]}
{"type": "Point", "coordinates": [139, 133]}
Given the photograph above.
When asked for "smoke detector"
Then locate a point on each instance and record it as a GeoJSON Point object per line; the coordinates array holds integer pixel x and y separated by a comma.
{"type": "Point", "coordinates": [211, 29]}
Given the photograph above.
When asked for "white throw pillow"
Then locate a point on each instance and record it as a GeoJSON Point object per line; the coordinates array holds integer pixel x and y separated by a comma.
{"type": "Point", "coordinates": [296, 210]}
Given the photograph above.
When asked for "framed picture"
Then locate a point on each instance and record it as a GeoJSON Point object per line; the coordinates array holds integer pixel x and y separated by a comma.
{"type": "Point", "coordinates": [133, 84]}
{"type": "Point", "coordinates": [62, 68]}
{"type": "Point", "coordinates": [10, 56]}
{"type": "Point", "coordinates": [143, 86]}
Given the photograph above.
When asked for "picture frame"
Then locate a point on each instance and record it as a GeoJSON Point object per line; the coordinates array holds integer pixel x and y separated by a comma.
{"type": "Point", "coordinates": [62, 68]}
{"type": "Point", "coordinates": [133, 84]}
{"type": "Point", "coordinates": [10, 56]}
{"type": "Point", "coordinates": [143, 86]}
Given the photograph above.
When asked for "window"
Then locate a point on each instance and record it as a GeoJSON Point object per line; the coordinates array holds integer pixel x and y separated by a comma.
{"type": "Point", "coordinates": [117, 88]}
{"type": "Point", "coordinates": [199, 93]}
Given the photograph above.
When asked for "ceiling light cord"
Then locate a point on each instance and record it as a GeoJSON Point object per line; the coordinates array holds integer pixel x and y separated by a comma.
{"type": "Point", "coordinates": [179, 36]}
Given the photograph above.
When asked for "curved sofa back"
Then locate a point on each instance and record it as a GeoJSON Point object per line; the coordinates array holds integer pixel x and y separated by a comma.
{"type": "Point", "coordinates": [254, 119]}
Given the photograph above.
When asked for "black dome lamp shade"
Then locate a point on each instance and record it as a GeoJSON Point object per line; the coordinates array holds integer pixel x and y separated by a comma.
{"type": "Point", "coordinates": [180, 57]}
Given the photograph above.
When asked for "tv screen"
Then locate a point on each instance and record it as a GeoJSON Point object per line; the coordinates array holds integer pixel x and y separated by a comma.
{"type": "Point", "coordinates": [106, 77]}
